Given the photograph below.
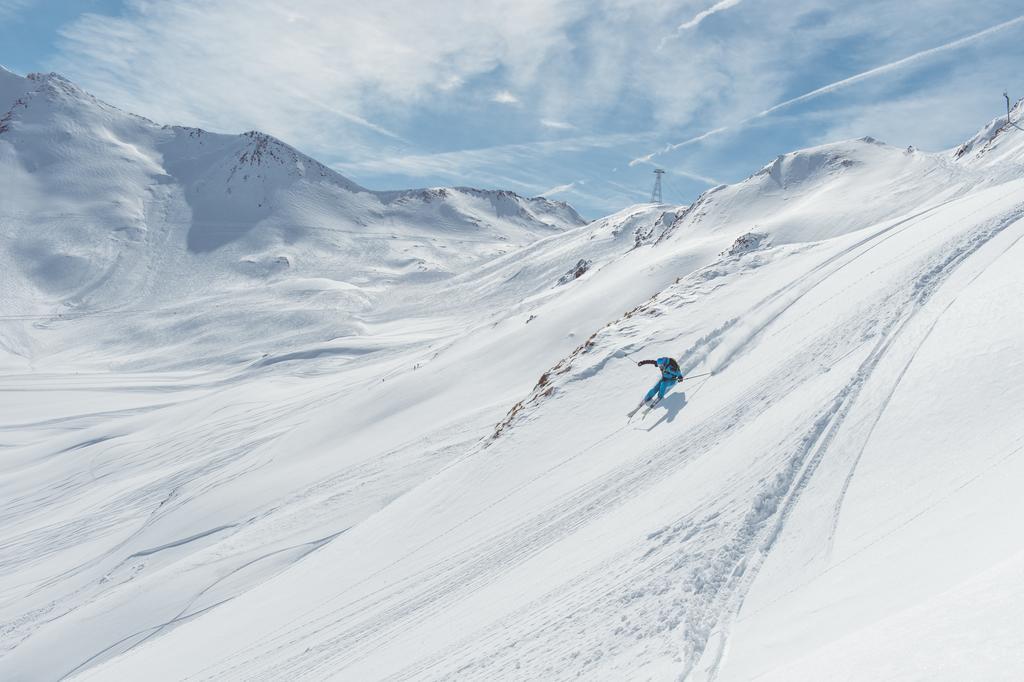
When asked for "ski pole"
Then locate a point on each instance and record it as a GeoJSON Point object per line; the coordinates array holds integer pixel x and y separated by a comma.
{"type": "Point", "coordinates": [697, 376]}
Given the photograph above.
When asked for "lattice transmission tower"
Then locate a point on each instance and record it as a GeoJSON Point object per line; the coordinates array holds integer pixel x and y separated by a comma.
{"type": "Point", "coordinates": [656, 194]}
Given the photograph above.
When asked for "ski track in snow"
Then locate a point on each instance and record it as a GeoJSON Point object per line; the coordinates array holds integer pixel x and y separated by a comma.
{"type": "Point", "coordinates": [910, 358]}
{"type": "Point", "coordinates": [831, 421]}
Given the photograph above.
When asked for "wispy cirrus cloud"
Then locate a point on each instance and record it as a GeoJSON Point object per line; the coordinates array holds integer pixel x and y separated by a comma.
{"type": "Point", "coordinates": [12, 8]}
{"type": "Point", "coordinates": [556, 125]}
{"type": "Point", "coordinates": [505, 97]}
{"type": "Point", "coordinates": [309, 75]}
{"type": "Point", "coordinates": [560, 189]}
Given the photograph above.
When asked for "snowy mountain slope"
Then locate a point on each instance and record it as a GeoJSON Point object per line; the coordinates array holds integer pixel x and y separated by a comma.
{"type": "Point", "coordinates": [166, 215]}
{"type": "Point", "coordinates": [346, 507]}
{"type": "Point", "coordinates": [573, 544]}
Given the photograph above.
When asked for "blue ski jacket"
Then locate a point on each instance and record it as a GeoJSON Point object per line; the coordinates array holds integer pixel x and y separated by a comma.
{"type": "Point", "coordinates": [669, 368]}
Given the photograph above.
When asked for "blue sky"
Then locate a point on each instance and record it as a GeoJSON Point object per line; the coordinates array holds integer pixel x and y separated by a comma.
{"type": "Point", "coordinates": [576, 100]}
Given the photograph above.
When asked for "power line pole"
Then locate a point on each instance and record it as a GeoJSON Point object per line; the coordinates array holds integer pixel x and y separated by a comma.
{"type": "Point", "coordinates": [1009, 123]}
{"type": "Point", "coordinates": [656, 194]}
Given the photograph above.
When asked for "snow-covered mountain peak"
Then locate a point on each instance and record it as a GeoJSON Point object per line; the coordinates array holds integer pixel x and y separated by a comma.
{"type": "Point", "coordinates": [477, 204]}
{"type": "Point", "coordinates": [65, 93]}
{"type": "Point", "coordinates": [244, 172]}
{"type": "Point", "coordinates": [51, 102]}
{"type": "Point", "coordinates": [265, 150]}
{"type": "Point", "coordinates": [811, 194]}
{"type": "Point", "coordinates": [815, 164]}
{"type": "Point", "coordinates": [507, 198]}
{"type": "Point", "coordinates": [56, 80]}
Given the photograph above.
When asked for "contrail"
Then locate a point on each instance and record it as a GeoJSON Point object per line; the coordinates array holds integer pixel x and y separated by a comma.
{"type": "Point", "coordinates": [832, 87]}
{"type": "Point", "coordinates": [352, 118]}
{"type": "Point", "coordinates": [889, 67]}
{"type": "Point", "coordinates": [714, 9]}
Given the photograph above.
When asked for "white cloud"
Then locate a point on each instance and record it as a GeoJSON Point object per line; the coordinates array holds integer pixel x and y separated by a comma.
{"type": "Point", "coordinates": [701, 16]}
{"type": "Point", "coordinates": [9, 9]}
{"type": "Point", "coordinates": [696, 176]}
{"type": "Point", "coordinates": [556, 125]}
{"type": "Point", "coordinates": [344, 73]}
{"type": "Point", "coordinates": [450, 82]}
{"type": "Point", "coordinates": [333, 72]}
{"type": "Point", "coordinates": [558, 189]}
{"type": "Point", "coordinates": [505, 97]}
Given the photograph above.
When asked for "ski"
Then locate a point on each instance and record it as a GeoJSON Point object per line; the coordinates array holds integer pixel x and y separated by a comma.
{"type": "Point", "coordinates": [650, 406]}
{"type": "Point", "coordinates": [633, 412]}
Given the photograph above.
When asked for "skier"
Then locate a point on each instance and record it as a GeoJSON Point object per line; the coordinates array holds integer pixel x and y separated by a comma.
{"type": "Point", "coordinates": [670, 375]}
